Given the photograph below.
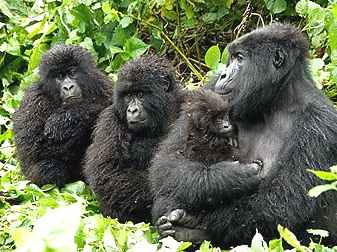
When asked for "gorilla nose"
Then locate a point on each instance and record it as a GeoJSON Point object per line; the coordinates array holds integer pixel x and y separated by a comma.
{"type": "Point", "coordinates": [68, 87]}
{"type": "Point", "coordinates": [133, 110]}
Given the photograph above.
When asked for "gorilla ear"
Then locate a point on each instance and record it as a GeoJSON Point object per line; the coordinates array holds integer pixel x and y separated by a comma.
{"type": "Point", "coordinates": [279, 58]}
{"type": "Point", "coordinates": [168, 83]}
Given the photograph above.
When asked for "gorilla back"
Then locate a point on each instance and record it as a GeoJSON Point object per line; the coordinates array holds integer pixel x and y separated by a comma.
{"type": "Point", "coordinates": [53, 124]}
{"type": "Point", "coordinates": [146, 100]}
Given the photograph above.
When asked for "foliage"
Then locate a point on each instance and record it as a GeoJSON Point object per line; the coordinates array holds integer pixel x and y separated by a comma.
{"type": "Point", "coordinates": [194, 35]}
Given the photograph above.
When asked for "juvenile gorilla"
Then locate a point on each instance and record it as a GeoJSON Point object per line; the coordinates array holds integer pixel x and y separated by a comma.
{"type": "Point", "coordinates": [53, 124]}
{"type": "Point", "coordinates": [287, 123]}
{"type": "Point", "coordinates": [146, 100]}
{"type": "Point", "coordinates": [187, 172]}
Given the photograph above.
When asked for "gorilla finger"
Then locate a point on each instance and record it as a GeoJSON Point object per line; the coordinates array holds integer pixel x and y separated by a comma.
{"type": "Point", "coordinates": [166, 234]}
{"type": "Point", "coordinates": [163, 227]}
{"type": "Point", "coordinates": [176, 215]}
{"type": "Point", "coordinates": [163, 219]}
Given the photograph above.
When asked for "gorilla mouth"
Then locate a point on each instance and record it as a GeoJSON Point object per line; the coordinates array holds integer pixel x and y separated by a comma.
{"type": "Point", "coordinates": [224, 92]}
{"type": "Point", "coordinates": [136, 124]}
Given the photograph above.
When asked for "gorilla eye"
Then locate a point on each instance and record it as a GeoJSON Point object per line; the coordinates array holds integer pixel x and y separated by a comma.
{"type": "Point", "coordinates": [72, 72]}
{"type": "Point", "coordinates": [240, 57]}
{"type": "Point", "coordinates": [140, 95]}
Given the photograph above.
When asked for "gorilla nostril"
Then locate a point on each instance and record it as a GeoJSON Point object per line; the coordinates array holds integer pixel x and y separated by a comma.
{"type": "Point", "coordinates": [67, 87]}
{"type": "Point", "coordinates": [133, 110]}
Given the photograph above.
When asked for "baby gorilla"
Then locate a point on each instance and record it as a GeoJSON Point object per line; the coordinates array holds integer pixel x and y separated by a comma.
{"type": "Point", "coordinates": [184, 173]}
{"type": "Point", "coordinates": [210, 137]}
{"type": "Point", "coordinates": [146, 101]}
{"type": "Point", "coordinates": [53, 124]}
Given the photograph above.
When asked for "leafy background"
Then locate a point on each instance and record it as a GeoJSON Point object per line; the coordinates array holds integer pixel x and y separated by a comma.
{"type": "Point", "coordinates": [193, 34]}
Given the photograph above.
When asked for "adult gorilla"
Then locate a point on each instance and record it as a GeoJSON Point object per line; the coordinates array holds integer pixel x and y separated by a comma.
{"type": "Point", "coordinates": [284, 121]}
{"type": "Point", "coordinates": [146, 100]}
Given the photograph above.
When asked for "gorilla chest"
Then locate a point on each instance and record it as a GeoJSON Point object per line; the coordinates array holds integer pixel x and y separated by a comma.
{"type": "Point", "coordinates": [264, 141]}
{"type": "Point", "coordinates": [141, 151]}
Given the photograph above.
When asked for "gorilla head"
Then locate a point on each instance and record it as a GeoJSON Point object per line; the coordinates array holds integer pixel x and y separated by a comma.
{"type": "Point", "coordinates": [265, 57]}
{"type": "Point", "coordinates": [208, 119]}
{"type": "Point", "coordinates": [143, 93]}
{"type": "Point", "coordinates": [69, 73]}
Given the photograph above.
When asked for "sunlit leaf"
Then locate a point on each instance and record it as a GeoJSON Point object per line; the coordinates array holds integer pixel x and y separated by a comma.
{"type": "Point", "coordinates": [212, 56]}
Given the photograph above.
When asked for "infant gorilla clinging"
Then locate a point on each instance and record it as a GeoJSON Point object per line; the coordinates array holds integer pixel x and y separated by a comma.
{"type": "Point", "coordinates": [185, 172]}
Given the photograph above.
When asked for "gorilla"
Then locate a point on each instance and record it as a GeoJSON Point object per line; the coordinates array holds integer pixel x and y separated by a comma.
{"type": "Point", "coordinates": [52, 127]}
{"type": "Point", "coordinates": [180, 174]}
{"type": "Point", "coordinates": [282, 120]}
{"type": "Point", "coordinates": [147, 100]}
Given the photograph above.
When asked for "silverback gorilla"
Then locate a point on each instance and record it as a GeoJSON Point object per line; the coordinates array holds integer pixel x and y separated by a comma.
{"type": "Point", "coordinates": [283, 120]}
{"type": "Point", "coordinates": [53, 124]}
{"type": "Point", "coordinates": [146, 100]}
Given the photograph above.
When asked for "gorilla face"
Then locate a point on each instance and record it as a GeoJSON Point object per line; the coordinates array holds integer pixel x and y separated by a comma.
{"type": "Point", "coordinates": [136, 115]}
{"type": "Point", "coordinates": [66, 82]}
{"type": "Point", "coordinates": [259, 66]}
{"type": "Point", "coordinates": [68, 73]}
{"type": "Point", "coordinates": [143, 109]}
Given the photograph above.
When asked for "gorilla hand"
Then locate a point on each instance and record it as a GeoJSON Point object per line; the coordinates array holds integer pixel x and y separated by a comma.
{"type": "Point", "coordinates": [176, 223]}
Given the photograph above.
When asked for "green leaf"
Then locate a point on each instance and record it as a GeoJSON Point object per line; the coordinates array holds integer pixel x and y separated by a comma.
{"type": "Point", "coordinates": [324, 175]}
{"type": "Point", "coordinates": [289, 237]}
{"type": "Point", "coordinates": [36, 55]}
{"type": "Point", "coordinates": [276, 245]}
{"type": "Point", "coordinates": [224, 56]}
{"type": "Point", "coordinates": [126, 21]}
{"type": "Point", "coordinates": [276, 6]}
{"type": "Point", "coordinates": [212, 57]}
{"type": "Point", "coordinates": [317, 190]}
{"type": "Point", "coordinates": [320, 232]}
{"type": "Point", "coordinates": [258, 244]}
{"type": "Point", "coordinates": [4, 7]}
{"type": "Point", "coordinates": [134, 48]}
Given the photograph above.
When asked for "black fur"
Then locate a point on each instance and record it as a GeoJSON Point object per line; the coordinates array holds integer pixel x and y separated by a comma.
{"type": "Point", "coordinates": [51, 135]}
{"type": "Point", "coordinates": [287, 123]}
{"type": "Point", "coordinates": [117, 161]}
{"type": "Point", "coordinates": [180, 173]}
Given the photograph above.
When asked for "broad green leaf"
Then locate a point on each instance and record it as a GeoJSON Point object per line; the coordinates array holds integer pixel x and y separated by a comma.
{"type": "Point", "coordinates": [289, 237]}
{"type": "Point", "coordinates": [317, 190]}
{"type": "Point", "coordinates": [324, 175]}
{"type": "Point", "coordinates": [212, 56]}
{"type": "Point", "coordinates": [135, 47]}
{"type": "Point", "coordinates": [276, 6]}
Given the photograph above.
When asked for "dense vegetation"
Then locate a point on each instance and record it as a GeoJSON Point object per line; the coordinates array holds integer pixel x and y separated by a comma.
{"type": "Point", "coordinates": [193, 34]}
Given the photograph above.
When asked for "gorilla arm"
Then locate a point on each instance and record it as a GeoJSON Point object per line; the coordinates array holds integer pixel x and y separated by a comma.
{"type": "Point", "coordinates": [71, 122]}
{"type": "Point", "coordinates": [29, 122]}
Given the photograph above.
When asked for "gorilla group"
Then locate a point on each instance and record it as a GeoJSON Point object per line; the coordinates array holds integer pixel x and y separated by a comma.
{"type": "Point", "coordinates": [224, 163]}
{"type": "Point", "coordinates": [53, 124]}
{"type": "Point", "coordinates": [283, 120]}
{"type": "Point", "coordinates": [146, 101]}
